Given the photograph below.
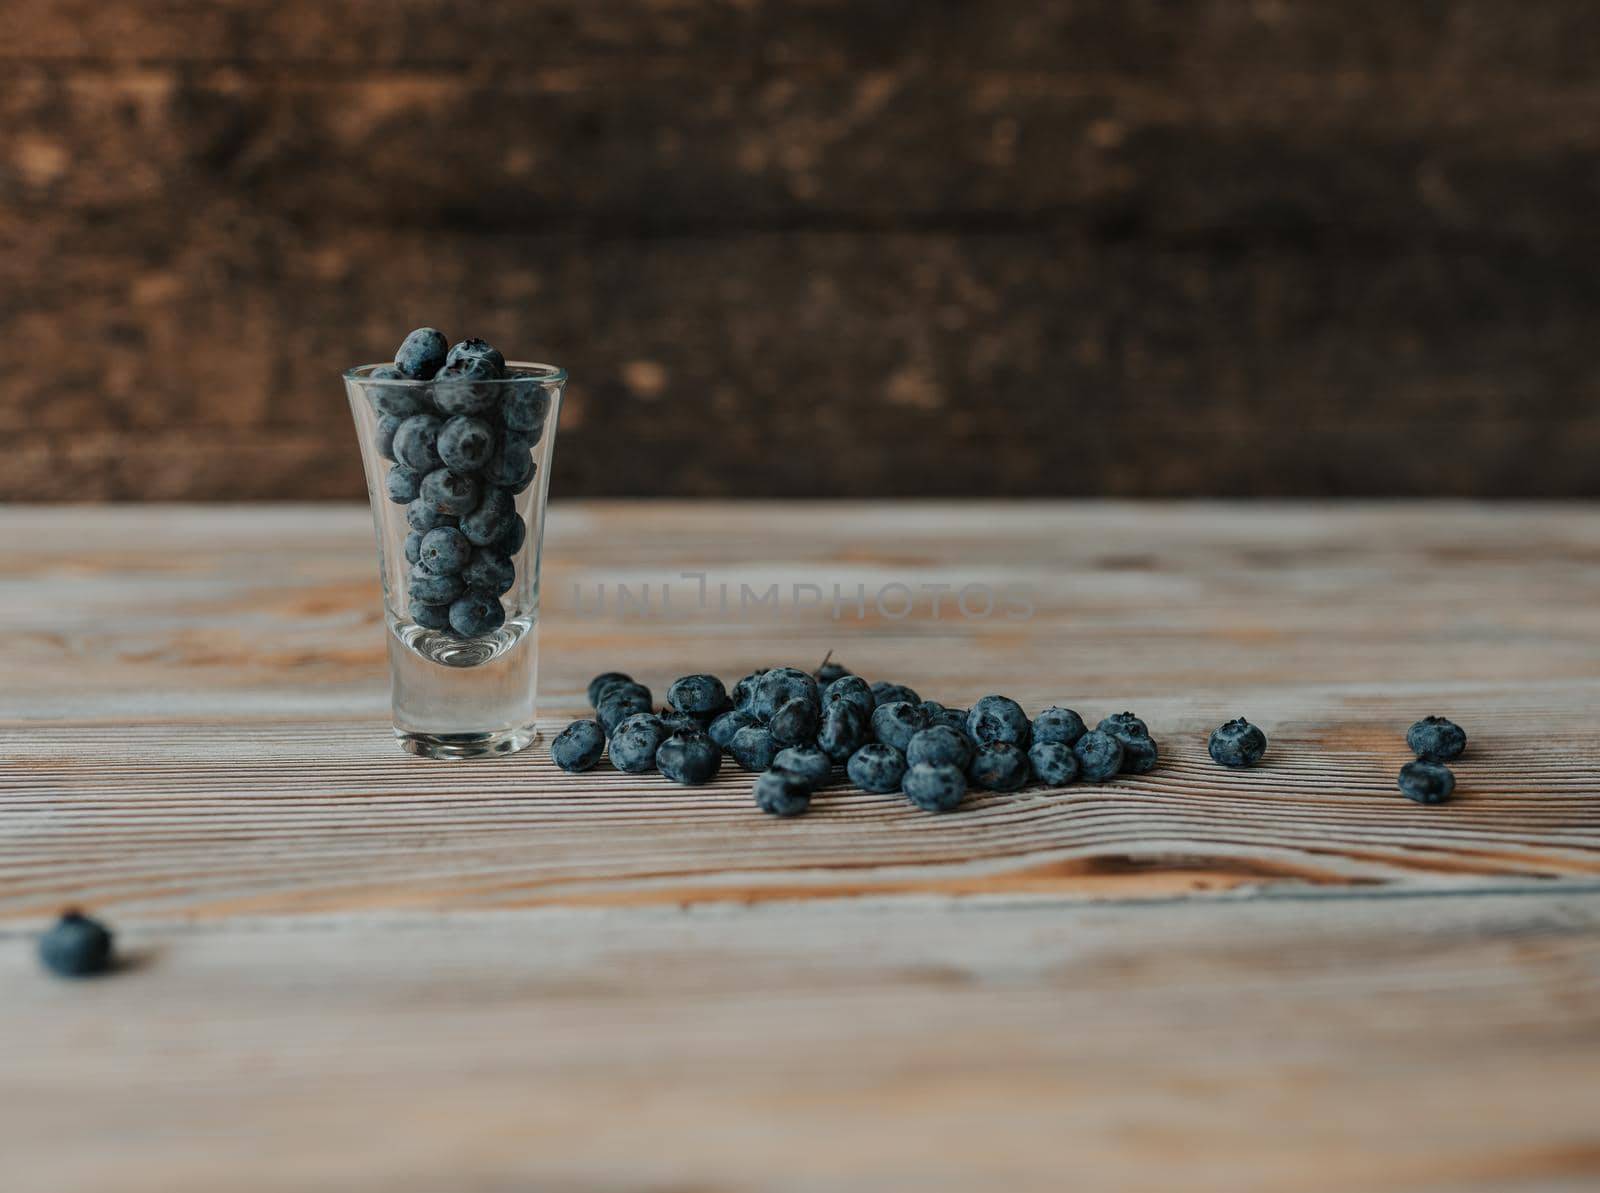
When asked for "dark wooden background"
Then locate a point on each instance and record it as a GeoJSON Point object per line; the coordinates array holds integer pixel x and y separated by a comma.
{"type": "Point", "coordinates": [1093, 247]}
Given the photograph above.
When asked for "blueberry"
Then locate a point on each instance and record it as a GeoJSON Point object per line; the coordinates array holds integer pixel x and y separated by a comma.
{"type": "Point", "coordinates": [782, 793]}
{"type": "Point", "coordinates": [450, 493]}
{"type": "Point", "coordinates": [725, 726]}
{"type": "Point", "coordinates": [780, 685]}
{"type": "Point", "coordinates": [423, 517]}
{"type": "Point", "coordinates": [896, 722]}
{"type": "Point", "coordinates": [416, 442]}
{"type": "Point", "coordinates": [935, 788]}
{"type": "Point", "coordinates": [511, 464]}
{"type": "Point", "coordinates": [634, 743]}
{"type": "Point", "coordinates": [489, 571]}
{"type": "Point", "coordinates": [1099, 756]}
{"type": "Point", "coordinates": [599, 683]}
{"type": "Point", "coordinates": [877, 768]}
{"type": "Point", "coordinates": [402, 484]}
{"type": "Point", "coordinates": [1427, 782]}
{"type": "Point", "coordinates": [621, 702]}
{"type": "Point", "coordinates": [950, 718]}
{"type": "Point", "coordinates": [414, 546]}
{"type": "Point", "coordinates": [1124, 723]}
{"type": "Point", "coordinates": [679, 722]}
{"type": "Point", "coordinates": [795, 722]}
{"type": "Point", "coordinates": [491, 518]}
{"type": "Point", "coordinates": [691, 759]}
{"type": "Point", "coordinates": [465, 444]}
{"type": "Point", "coordinates": [1139, 754]}
{"type": "Point", "coordinates": [475, 347]}
{"type": "Point", "coordinates": [998, 719]}
{"type": "Point", "coordinates": [843, 730]}
{"type": "Point", "coordinates": [940, 745]}
{"type": "Point", "coordinates": [475, 614]}
{"type": "Point", "coordinates": [890, 693]}
{"type": "Point", "coordinates": [467, 385]}
{"type": "Point", "coordinates": [578, 746]}
{"type": "Point", "coordinates": [388, 424]}
{"type": "Point", "coordinates": [1053, 762]}
{"type": "Point", "coordinates": [525, 407]}
{"type": "Point", "coordinates": [753, 748]}
{"type": "Point", "coordinates": [395, 400]}
{"type": "Point", "coordinates": [432, 589]}
{"type": "Point", "coordinates": [829, 671]}
{"type": "Point", "coordinates": [808, 762]}
{"type": "Point", "coordinates": [420, 354]}
{"type": "Point", "coordinates": [1059, 725]}
{"type": "Point", "coordinates": [635, 692]}
{"type": "Point", "coordinates": [445, 551]}
{"type": "Point", "coordinates": [853, 690]}
{"type": "Point", "coordinates": [511, 541]}
{"type": "Point", "coordinates": [76, 947]}
{"type": "Point", "coordinates": [1436, 739]}
{"type": "Point", "coordinates": [1237, 744]}
{"type": "Point", "coordinates": [430, 617]}
{"type": "Point", "coordinates": [999, 766]}
{"type": "Point", "coordinates": [742, 692]}
{"type": "Point", "coordinates": [697, 694]}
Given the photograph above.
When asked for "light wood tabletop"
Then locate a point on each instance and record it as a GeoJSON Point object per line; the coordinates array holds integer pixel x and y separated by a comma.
{"type": "Point", "coordinates": [351, 969]}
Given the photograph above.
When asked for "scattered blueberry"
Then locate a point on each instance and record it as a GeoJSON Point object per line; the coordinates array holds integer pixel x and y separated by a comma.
{"type": "Point", "coordinates": [999, 766]}
{"type": "Point", "coordinates": [1059, 725]}
{"type": "Point", "coordinates": [744, 691]}
{"type": "Point", "coordinates": [488, 571]}
{"type": "Point", "coordinates": [467, 385]}
{"type": "Point", "coordinates": [897, 721]}
{"type": "Point", "coordinates": [877, 768]}
{"type": "Point", "coordinates": [76, 946]}
{"type": "Point", "coordinates": [795, 722]}
{"type": "Point", "coordinates": [1124, 723]}
{"type": "Point", "coordinates": [851, 689]}
{"type": "Point", "coordinates": [843, 730]}
{"type": "Point", "coordinates": [620, 702]}
{"type": "Point", "coordinates": [1053, 762]}
{"type": "Point", "coordinates": [634, 743]}
{"type": "Point", "coordinates": [697, 694]}
{"type": "Point", "coordinates": [474, 614]}
{"type": "Point", "coordinates": [940, 745]}
{"type": "Point", "coordinates": [430, 617]}
{"type": "Point", "coordinates": [465, 444]}
{"type": "Point", "coordinates": [998, 719]}
{"type": "Point", "coordinates": [808, 762]}
{"type": "Point", "coordinates": [433, 589]}
{"type": "Point", "coordinates": [1436, 739]}
{"type": "Point", "coordinates": [691, 759]}
{"type": "Point", "coordinates": [950, 718]}
{"type": "Point", "coordinates": [1427, 782]}
{"type": "Point", "coordinates": [829, 671]}
{"type": "Point", "coordinates": [725, 726]}
{"type": "Point", "coordinates": [578, 746]}
{"type": "Point", "coordinates": [780, 685]}
{"type": "Point", "coordinates": [1099, 756]}
{"type": "Point", "coordinates": [416, 443]}
{"type": "Point", "coordinates": [421, 354]}
{"type": "Point", "coordinates": [445, 551]}
{"type": "Point", "coordinates": [1139, 754]}
{"type": "Point", "coordinates": [679, 722]}
{"type": "Point", "coordinates": [414, 546]}
{"type": "Point", "coordinates": [510, 464]}
{"type": "Point", "coordinates": [753, 748]}
{"type": "Point", "coordinates": [402, 484]}
{"type": "Point", "coordinates": [782, 793]}
{"type": "Point", "coordinates": [388, 424]}
{"type": "Point", "coordinates": [450, 493]}
{"type": "Point", "coordinates": [599, 683]}
{"type": "Point", "coordinates": [525, 406]}
{"type": "Point", "coordinates": [475, 347]}
{"type": "Point", "coordinates": [890, 693]}
{"type": "Point", "coordinates": [1237, 744]}
{"type": "Point", "coordinates": [935, 788]}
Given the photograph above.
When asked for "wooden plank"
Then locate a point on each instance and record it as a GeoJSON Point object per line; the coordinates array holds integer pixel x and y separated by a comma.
{"type": "Point", "coordinates": [1300, 1046]}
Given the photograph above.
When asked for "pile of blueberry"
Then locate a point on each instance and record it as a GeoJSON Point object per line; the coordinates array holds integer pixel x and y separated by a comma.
{"type": "Point", "coordinates": [461, 449]}
{"type": "Point", "coordinates": [1435, 741]}
{"type": "Point", "coordinates": [792, 727]}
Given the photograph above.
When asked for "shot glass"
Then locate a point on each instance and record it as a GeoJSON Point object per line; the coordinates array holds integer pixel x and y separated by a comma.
{"type": "Point", "coordinates": [457, 474]}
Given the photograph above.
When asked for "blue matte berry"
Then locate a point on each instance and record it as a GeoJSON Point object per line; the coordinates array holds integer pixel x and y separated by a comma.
{"type": "Point", "coordinates": [743, 691]}
{"type": "Point", "coordinates": [474, 614]}
{"type": "Point", "coordinates": [430, 617]}
{"type": "Point", "coordinates": [843, 730]}
{"type": "Point", "coordinates": [690, 759]}
{"type": "Point", "coordinates": [999, 766]}
{"type": "Point", "coordinates": [413, 546]}
{"type": "Point", "coordinates": [891, 693]}
{"type": "Point", "coordinates": [698, 694]}
{"type": "Point", "coordinates": [1053, 761]}
{"type": "Point", "coordinates": [394, 400]}
{"type": "Point", "coordinates": [722, 729]}
{"type": "Point", "coordinates": [423, 517]}
{"type": "Point", "coordinates": [679, 722]}
{"type": "Point", "coordinates": [450, 493]}
{"type": "Point", "coordinates": [1427, 782]}
{"type": "Point", "coordinates": [416, 443]}
{"type": "Point", "coordinates": [511, 541]}
{"type": "Point", "coordinates": [467, 385]}
{"type": "Point", "coordinates": [808, 762]}
{"type": "Point", "coordinates": [934, 788]}
{"type": "Point", "coordinates": [1436, 739]}
{"type": "Point", "coordinates": [511, 463]}
{"type": "Point", "coordinates": [634, 743]}
{"type": "Point", "coordinates": [1139, 754]}
{"type": "Point", "coordinates": [433, 589]}
{"type": "Point", "coordinates": [998, 719]}
{"type": "Point", "coordinates": [1237, 744]}
{"type": "Point", "coordinates": [525, 407]}
{"type": "Point", "coordinates": [619, 702]}
{"type": "Point", "coordinates": [578, 746]}
{"type": "Point", "coordinates": [950, 718]}
{"type": "Point", "coordinates": [877, 768]}
{"type": "Point", "coordinates": [795, 722]}
{"type": "Point", "coordinates": [1122, 723]}
{"type": "Point", "coordinates": [897, 721]}
{"type": "Point", "coordinates": [853, 690]}
{"type": "Point", "coordinates": [388, 424]}
{"type": "Point", "coordinates": [76, 946]}
{"type": "Point", "coordinates": [780, 685]}
{"type": "Point", "coordinates": [940, 745]}
{"type": "Point", "coordinates": [1099, 756]}
{"type": "Point", "coordinates": [1058, 725]}
{"type": "Point", "coordinates": [782, 793]}
{"type": "Point", "coordinates": [753, 748]}
{"type": "Point", "coordinates": [475, 347]}
{"type": "Point", "coordinates": [829, 671]}
{"type": "Point", "coordinates": [489, 571]}
{"type": "Point", "coordinates": [421, 353]}
{"type": "Point", "coordinates": [599, 683]}
{"type": "Point", "coordinates": [491, 518]}
{"type": "Point", "coordinates": [465, 444]}
{"type": "Point", "coordinates": [445, 551]}
{"type": "Point", "coordinates": [402, 484]}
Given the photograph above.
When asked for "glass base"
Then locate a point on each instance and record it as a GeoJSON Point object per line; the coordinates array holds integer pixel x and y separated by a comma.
{"type": "Point", "coordinates": [467, 745]}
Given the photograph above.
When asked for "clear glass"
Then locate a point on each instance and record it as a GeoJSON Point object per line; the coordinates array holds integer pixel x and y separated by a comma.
{"type": "Point", "coordinates": [463, 686]}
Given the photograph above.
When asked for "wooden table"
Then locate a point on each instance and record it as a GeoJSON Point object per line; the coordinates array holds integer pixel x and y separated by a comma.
{"type": "Point", "coordinates": [351, 969]}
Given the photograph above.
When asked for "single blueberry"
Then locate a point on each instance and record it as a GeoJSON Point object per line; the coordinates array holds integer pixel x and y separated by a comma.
{"type": "Point", "coordinates": [829, 671]}
{"type": "Point", "coordinates": [1124, 723]}
{"type": "Point", "coordinates": [742, 692]}
{"type": "Point", "coordinates": [679, 722]}
{"type": "Point", "coordinates": [475, 347]}
{"type": "Point", "coordinates": [1059, 725]}
{"type": "Point", "coordinates": [891, 693]}
{"type": "Point", "coordinates": [782, 793]}
{"type": "Point", "coordinates": [1053, 761]}
{"type": "Point", "coordinates": [753, 748]}
{"type": "Point", "coordinates": [896, 722]}
{"type": "Point", "coordinates": [634, 743]}
{"type": "Point", "coordinates": [1139, 754]}
{"type": "Point", "coordinates": [396, 400]}
{"type": "Point", "coordinates": [690, 759]}
{"type": "Point", "coordinates": [511, 463]}
{"type": "Point", "coordinates": [423, 517]}
{"type": "Point", "coordinates": [445, 551]}
{"type": "Point", "coordinates": [598, 684]}
{"type": "Point", "coordinates": [492, 517]}
{"type": "Point", "coordinates": [388, 424]}
{"type": "Point", "coordinates": [402, 484]}
{"type": "Point", "coordinates": [430, 617]}
{"type": "Point", "coordinates": [489, 571]}
{"type": "Point", "coordinates": [851, 689]}
{"type": "Point", "coordinates": [619, 703]}
{"type": "Point", "coordinates": [421, 353]}
{"type": "Point", "coordinates": [1427, 782]}
{"type": "Point", "coordinates": [433, 589]}
{"type": "Point", "coordinates": [934, 788]}
{"type": "Point", "coordinates": [808, 762]}
{"type": "Point", "coordinates": [843, 730]}
{"type": "Point", "coordinates": [525, 407]}
{"type": "Point", "coordinates": [940, 745]}
{"type": "Point", "coordinates": [795, 722]}
{"type": "Point", "coordinates": [877, 768]}
{"type": "Point", "coordinates": [998, 718]}
{"type": "Point", "coordinates": [578, 746]}
{"type": "Point", "coordinates": [725, 726]}
{"type": "Point", "coordinates": [636, 692]}
{"type": "Point", "coordinates": [950, 718]}
{"type": "Point", "coordinates": [697, 694]}
{"type": "Point", "coordinates": [450, 493]}
{"type": "Point", "coordinates": [467, 385]}
{"type": "Point", "coordinates": [780, 685]}
{"type": "Point", "coordinates": [1237, 744]}
{"type": "Point", "coordinates": [414, 546]}
{"type": "Point", "coordinates": [76, 946]}
{"type": "Point", "coordinates": [474, 614]}
{"type": "Point", "coordinates": [999, 766]}
{"type": "Point", "coordinates": [465, 444]}
{"type": "Point", "coordinates": [511, 541]}
{"type": "Point", "coordinates": [1099, 756]}
{"type": "Point", "coordinates": [1436, 739]}
{"type": "Point", "coordinates": [416, 442]}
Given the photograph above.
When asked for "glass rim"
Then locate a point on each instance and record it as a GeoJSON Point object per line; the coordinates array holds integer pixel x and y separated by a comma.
{"type": "Point", "coordinates": [539, 371]}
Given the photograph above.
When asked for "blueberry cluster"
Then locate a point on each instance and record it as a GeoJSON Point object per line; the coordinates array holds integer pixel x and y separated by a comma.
{"type": "Point", "coordinates": [792, 727]}
{"type": "Point", "coordinates": [460, 449]}
{"type": "Point", "coordinates": [1435, 741]}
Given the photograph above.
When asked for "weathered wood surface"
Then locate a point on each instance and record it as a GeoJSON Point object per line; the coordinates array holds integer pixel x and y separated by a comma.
{"type": "Point", "coordinates": [1065, 248]}
{"type": "Point", "coordinates": [355, 970]}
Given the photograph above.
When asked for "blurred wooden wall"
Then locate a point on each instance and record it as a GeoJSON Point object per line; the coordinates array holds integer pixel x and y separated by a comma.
{"type": "Point", "coordinates": [1050, 247]}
